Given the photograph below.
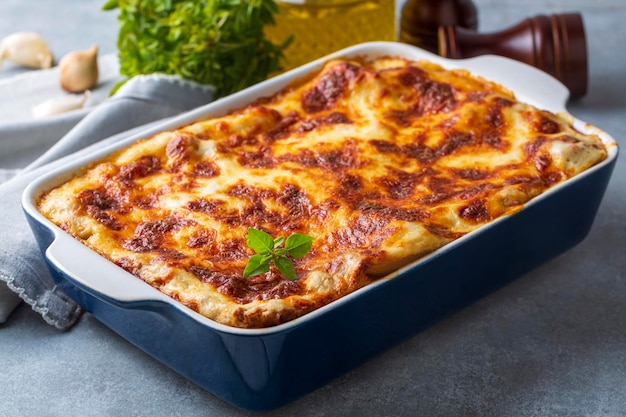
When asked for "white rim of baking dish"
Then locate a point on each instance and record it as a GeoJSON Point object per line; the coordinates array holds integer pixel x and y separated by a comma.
{"type": "Point", "coordinates": [101, 277]}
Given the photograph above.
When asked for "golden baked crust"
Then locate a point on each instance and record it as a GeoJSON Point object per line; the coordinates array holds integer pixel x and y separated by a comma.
{"type": "Point", "coordinates": [381, 162]}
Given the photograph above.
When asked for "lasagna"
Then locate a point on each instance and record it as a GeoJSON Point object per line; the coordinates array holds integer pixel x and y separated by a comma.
{"type": "Point", "coordinates": [380, 161]}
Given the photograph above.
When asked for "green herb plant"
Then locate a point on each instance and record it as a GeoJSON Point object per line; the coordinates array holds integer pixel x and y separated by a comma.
{"type": "Point", "coordinates": [268, 249]}
{"type": "Point", "coordinates": [216, 42]}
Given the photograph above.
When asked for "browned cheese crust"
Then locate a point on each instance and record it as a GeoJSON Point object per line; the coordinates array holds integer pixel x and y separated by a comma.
{"type": "Point", "coordinates": [381, 162]}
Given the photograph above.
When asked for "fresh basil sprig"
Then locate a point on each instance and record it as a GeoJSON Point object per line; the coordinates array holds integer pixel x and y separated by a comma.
{"type": "Point", "coordinates": [269, 250]}
{"type": "Point", "coordinates": [216, 42]}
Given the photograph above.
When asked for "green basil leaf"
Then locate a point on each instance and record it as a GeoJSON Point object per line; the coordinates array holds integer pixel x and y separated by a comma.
{"type": "Point", "coordinates": [285, 266]}
{"type": "Point", "coordinates": [257, 264]}
{"type": "Point", "coordinates": [259, 241]}
{"type": "Point", "coordinates": [110, 5]}
{"type": "Point", "coordinates": [278, 241]}
{"type": "Point", "coordinates": [298, 245]}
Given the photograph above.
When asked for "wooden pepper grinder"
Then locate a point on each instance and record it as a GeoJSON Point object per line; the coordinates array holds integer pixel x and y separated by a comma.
{"type": "Point", "coordinates": [555, 44]}
{"type": "Point", "coordinates": [420, 19]}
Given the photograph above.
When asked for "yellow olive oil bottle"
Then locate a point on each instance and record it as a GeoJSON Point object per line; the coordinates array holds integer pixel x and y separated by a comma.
{"type": "Point", "coordinates": [320, 27]}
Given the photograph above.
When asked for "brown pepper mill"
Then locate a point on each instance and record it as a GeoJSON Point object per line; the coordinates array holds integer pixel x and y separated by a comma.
{"type": "Point", "coordinates": [420, 20]}
{"type": "Point", "coordinates": [555, 44]}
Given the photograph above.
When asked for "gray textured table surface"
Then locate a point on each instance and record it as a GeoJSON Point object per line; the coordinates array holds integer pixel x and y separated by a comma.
{"type": "Point", "coordinates": [553, 343]}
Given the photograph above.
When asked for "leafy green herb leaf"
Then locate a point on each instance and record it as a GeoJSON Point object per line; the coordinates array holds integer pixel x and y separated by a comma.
{"type": "Point", "coordinates": [285, 266]}
{"type": "Point", "coordinates": [259, 241]}
{"type": "Point", "coordinates": [298, 245]}
{"type": "Point", "coordinates": [268, 250]}
{"type": "Point", "coordinates": [257, 264]}
{"type": "Point", "coordinates": [278, 241]}
{"type": "Point", "coordinates": [110, 5]}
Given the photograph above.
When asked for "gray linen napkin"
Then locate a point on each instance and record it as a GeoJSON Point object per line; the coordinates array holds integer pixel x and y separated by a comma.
{"type": "Point", "coordinates": [142, 100]}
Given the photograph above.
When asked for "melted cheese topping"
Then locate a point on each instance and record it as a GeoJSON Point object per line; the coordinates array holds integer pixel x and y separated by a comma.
{"type": "Point", "coordinates": [381, 162]}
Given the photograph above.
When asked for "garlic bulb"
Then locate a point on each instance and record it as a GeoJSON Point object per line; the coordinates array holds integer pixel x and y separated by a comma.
{"type": "Point", "coordinates": [78, 71]}
{"type": "Point", "coordinates": [60, 105]}
{"type": "Point", "coordinates": [27, 49]}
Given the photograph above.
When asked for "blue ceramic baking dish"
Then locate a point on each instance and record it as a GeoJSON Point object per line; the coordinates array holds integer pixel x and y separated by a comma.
{"type": "Point", "coordinates": [266, 368]}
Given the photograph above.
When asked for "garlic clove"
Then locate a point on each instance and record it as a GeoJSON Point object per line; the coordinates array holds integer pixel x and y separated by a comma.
{"type": "Point", "coordinates": [60, 105]}
{"type": "Point", "coordinates": [78, 71]}
{"type": "Point", "coordinates": [27, 49]}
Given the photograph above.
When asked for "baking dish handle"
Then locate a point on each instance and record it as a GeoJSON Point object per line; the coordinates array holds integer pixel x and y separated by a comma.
{"type": "Point", "coordinates": [528, 83]}
{"type": "Point", "coordinates": [96, 275]}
